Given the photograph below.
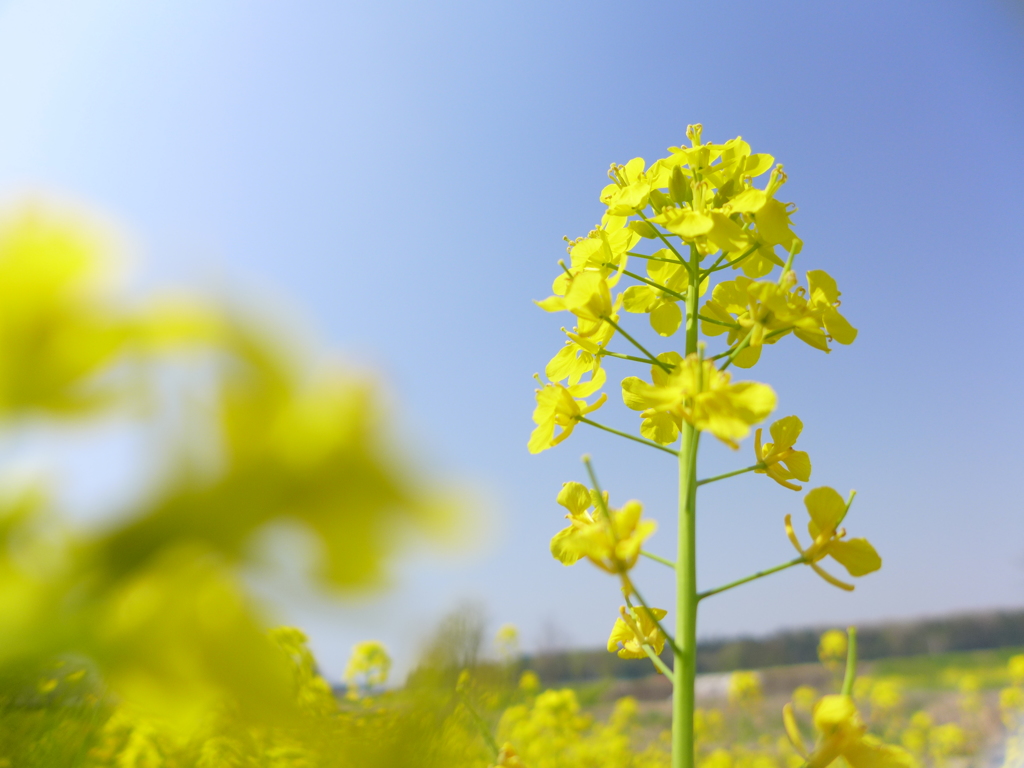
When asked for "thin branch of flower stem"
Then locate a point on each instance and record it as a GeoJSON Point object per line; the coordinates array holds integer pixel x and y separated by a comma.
{"type": "Point", "coordinates": [654, 361]}
{"type": "Point", "coordinates": [658, 558]}
{"type": "Point", "coordinates": [667, 243]}
{"type": "Point", "coordinates": [620, 356]}
{"type": "Point", "coordinates": [651, 258]}
{"type": "Point", "coordinates": [480, 723]}
{"type": "Point", "coordinates": [661, 665]}
{"type": "Point", "coordinates": [657, 286]}
{"type": "Point", "coordinates": [717, 322]}
{"type": "Point", "coordinates": [628, 436]}
{"type": "Point", "coordinates": [705, 481]}
{"type": "Point", "coordinates": [734, 262]}
{"type": "Point", "coordinates": [758, 575]}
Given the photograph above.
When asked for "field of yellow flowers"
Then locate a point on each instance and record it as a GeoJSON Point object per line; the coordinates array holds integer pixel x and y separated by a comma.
{"type": "Point", "coordinates": [964, 710]}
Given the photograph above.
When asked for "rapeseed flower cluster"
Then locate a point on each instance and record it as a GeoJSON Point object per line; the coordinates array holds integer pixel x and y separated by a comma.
{"type": "Point", "coordinates": [689, 216]}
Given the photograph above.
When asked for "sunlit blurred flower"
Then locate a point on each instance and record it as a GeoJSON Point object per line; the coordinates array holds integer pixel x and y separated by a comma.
{"type": "Point", "coordinates": [368, 666]}
{"type": "Point", "coordinates": [842, 733]}
{"type": "Point", "coordinates": [635, 628]}
{"type": "Point", "coordinates": [745, 688]}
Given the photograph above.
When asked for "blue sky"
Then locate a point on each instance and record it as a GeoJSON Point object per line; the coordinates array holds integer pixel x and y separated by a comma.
{"type": "Point", "coordinates": [403, 173]}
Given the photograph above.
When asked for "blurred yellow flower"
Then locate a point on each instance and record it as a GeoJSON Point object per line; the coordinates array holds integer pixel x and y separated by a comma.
{"type": "Point", "coordinates": [832, 647]}
{"type": "Point", "coordinates": [744, 688]}
{"type": "Point", "coordinates": [635, 628]}
{"type": "Point", "coordinates": [842, 733]}
{"type": "Point", "coordinates": [368, 666]}
{"type": "Point", "coordinates": [1015, 667]}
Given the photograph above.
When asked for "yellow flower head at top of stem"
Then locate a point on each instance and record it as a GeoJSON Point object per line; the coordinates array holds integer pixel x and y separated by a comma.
{"type": "Point", "coordinates": [842, 733]}
{"type": "Point", "coordinates": [827, 510]}
{"type": "Point", "coordinates": [635, 628]}
{"type": "Point", "coordinates": [695, 391]}
{"type": "Point", "coordinates": [782, 463]}
{"type": "Point", "coordinates": [612, 545]}
{"type": "Point", "coordinates": [558, 406]}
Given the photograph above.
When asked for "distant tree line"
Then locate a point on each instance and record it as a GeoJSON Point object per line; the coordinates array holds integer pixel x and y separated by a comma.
{"type": "Point", "coordinates": [963, 632]}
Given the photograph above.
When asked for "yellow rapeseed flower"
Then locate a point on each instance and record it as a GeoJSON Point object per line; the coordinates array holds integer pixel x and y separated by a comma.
{"type": "Point", "coordinates": [842, 733]}
{"type": "Point", "coordinates": [695, 391]}
{"type": "Point", "coordinates": [827, 510]}
{"type": "Point", "coordinates": [635, 628]}
{"type": "Point", "coordinates": [559, 406]}
{"type": "Point", "coordinates": [782, 463]}
{"type": "Point", "coordinates": [613, 548]}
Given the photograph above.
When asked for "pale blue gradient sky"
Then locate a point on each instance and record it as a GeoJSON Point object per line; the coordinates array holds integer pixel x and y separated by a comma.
{"type": "Point", "coordinates": [404, 172]}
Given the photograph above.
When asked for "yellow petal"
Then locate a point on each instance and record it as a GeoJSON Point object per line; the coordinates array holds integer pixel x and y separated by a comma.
{"type": "Point", "coordinates": [666, 318]}
{"type": "Point", "coordinates": [639, 298]}
{"type": "Point", "coordinates": [799, 465]}
{"type": "Point", "coordinates": [575, 497]}
{"type": "Point", "coordinates": [838, 327]}
{"type": "Point", "coordinates": [660, 427]}
{"type": "Point", "coordinates": [826, 507]}
{"type": "Point", "coordinates": [563, 546]}
{"type": "Point", "coordinates": [785, 432]}
{"type": "Point", "coordinates": [856, 555]}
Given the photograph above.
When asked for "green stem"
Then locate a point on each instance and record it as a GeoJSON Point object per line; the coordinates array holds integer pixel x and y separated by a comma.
{"type": "Point", "coordinates": [657, 286]}
{"type": "Point", "coordinates": [705, 481]}
{"type": "Point", "coordinates": [651, 258]}
{"type": "Point", "coordinates": [620, 356]}
{"type": "Point", "coordinates": [685, 667]}
{"type": "Point", "coordinates": [717, 322]}
{"type": "Point", "coordinates": [672, 248]}
{"type": "Point", "coordinates": [851, 661]}
{"type": "Point", "coordinates": [657, 558]}
{"type": "Point", "coordinates": [628, 436]}
{"type": "Point", "coordinates": [480, 723]}
{"type": "Point", "coordinates": [661, 665]}
{"type": "Point", "coordinates": [737, 349]}
{"type": "Point", "coordinates": [758, 575]}
{"type": "Point", "coordinates": [715, 268]}
{"type": "Point", "coordinates": [654, 361]}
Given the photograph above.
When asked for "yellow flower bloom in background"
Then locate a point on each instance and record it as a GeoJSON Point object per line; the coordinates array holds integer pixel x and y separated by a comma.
{"type": "Point", "coordinates": [745, 688]}
{"type": "Point", "coordinates": [832, 647]}
{"type": "Point", "coordinates": [635, 628]}
{"type": "Point", "coordinates": [842, 733]}
{"type": "Point", "coordinates": [613, 548]}
{"type": "Point", "coordinates": [559, 406]}
{"type": "Point", "coordinates": [368, 666]}
{"type": "Point", "coordinates": [1015, 668]}
{"type": "Point", "coordinates": [695, 391]}
{"type": "Point", "coordinates": [827, 510]}
{"type": "Point", "coordinates": [782, 463]}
